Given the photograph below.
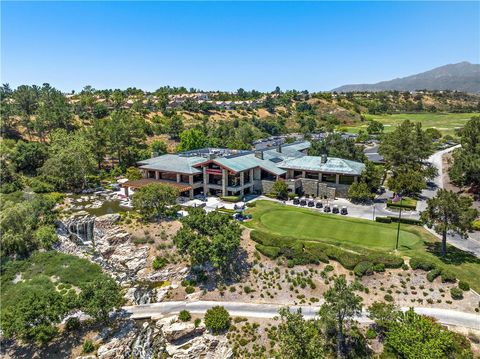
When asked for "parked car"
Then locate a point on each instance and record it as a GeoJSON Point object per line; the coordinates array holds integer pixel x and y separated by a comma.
{"type": "Point", "coordinates": [319, 204]}
{"type": "Point", "coordinates": [311, 203]}
{"type": "Point", "coordinates": [326, 208]}
{"type": "Point", "coordinates": [296, 201]}
{"type": "Point", "coordinates": [303, 202]}
{"type": "Point", "coordinates": [335, 209]}
{"type": "Point", "coordinates": [344, 211]}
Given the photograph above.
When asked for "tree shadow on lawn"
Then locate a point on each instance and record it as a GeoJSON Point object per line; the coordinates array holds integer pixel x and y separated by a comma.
{"type": "Point", "coordinates": [454, 255]}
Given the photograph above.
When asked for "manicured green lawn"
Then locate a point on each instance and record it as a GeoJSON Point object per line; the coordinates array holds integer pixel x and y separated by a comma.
{"type": "Point", "coordinates": [357, 234]}
{"type": "Point", "coordinates": [332, 228]}
{"type": "Point", "coordinates": [444, 122]}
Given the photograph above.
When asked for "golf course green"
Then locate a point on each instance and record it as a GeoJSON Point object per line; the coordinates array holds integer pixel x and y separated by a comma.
{"type": "Point", "coordinates": [332, 228]}
{"type": "Point", "coordinates": [360, 235]}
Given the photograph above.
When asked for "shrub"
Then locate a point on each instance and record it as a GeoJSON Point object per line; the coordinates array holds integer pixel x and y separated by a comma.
{"type": "Point", "coordinates": [434, 273]}
{"type": "Point", "coordinates": [217, 319]}
{"type": "Point", "coordinates": [159, 263]}
{"type": "Point", "coordinates": [197, 322]}
{"type": "Point", "coordinates": [389, 260]}
{"type": "Point", "coordinates": [88, 346]}
{"type": "Point", "coordinates": [476, 225]}
{"type": "Point", "coordinates": [247, 289]}
{"type": "Point", "coordinates": [383, 219]}
{"type": "Point", "coordinates": [464, 286]}
{"type": "Point", "coordinates": [40, 186]}
{"type": "Point", "coordinates": [316, 252]}
{"type": "Point", "coordinates": [379, 267]}
{"type": "Point", "coordinates": [268, 251]}
{"type": "Point", "coordinates": [417, 263]}
{"type": "Point", "coordinates": [363, 268]}
{"type": "Point", "coordinates": [405, 266]}
{"type": "Point", "coordinates": [388, 298]}
{"type": "Point", "coordinates": [371, 334]}
{"type": "Point", "coordinates": [251, 204]}
{"type": "Point", "coordinates": [184, 315]}
{"type": "Point", "coordinates": [72, 324]}
{"type": "Point", "coordinates": [456, 293]}
{"type": "Point", "coordinates": [188, 282]}
{"type": "Point", "coordinates": [328, 268]}
{"type": "Point", "coordinates": [448, 277]}
{"type": "Point", "coordinates": [189, 289]}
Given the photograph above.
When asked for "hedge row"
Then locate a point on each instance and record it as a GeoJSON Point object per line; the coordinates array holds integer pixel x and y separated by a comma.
{"type": "Point", "coordinates": [268, 251]}
{"type": "Point", "coordinates": [314, 252]}
{"type": "Point", "coordinates": [231, 198]}
{"type": "Point", "coordinates": [391, 219]}
{"type": "Point", "coordinates": [433, 270]}
{"type": "Point", "coordinates": [404, 205]}
{"type": "Point", "coordinates": [415, 222]}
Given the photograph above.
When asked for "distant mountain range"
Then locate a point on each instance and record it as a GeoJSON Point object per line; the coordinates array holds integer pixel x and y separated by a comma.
{"type": "Point", "coordinates": [463, 76]}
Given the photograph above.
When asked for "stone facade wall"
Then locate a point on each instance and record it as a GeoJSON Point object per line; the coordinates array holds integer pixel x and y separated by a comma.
{"type": "Point", "coordinates": [307, 186]}
{"type": "Point", "coordinates": [322, 189]}
{"type": "Point", "coordinates": [266, 186]}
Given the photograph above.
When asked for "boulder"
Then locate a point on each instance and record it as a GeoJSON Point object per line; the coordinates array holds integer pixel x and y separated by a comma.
{"type": "Point", "coordinates": [108, 219]}
{"type": "Point", "coordinates": [205, 346]}
{"type": "Point", "coordinates": [180, 330]}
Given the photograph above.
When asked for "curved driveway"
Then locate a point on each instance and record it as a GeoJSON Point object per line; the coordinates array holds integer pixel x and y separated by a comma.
{"type": "Point", "coordinates": [257, 310]}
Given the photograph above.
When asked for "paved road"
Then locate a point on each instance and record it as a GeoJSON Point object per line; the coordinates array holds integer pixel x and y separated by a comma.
{"type": "Point", "coordinates": [472, 243]}
{"type": "Point", "coordinates": [255, 310]}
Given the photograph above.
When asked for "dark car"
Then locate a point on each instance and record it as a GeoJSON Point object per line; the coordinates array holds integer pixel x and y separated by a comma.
{"type": "Point", "coordinates": [335, 209]}
{"type": "Point", "coordinates": [326, 208]}
{"type": "Point", "coordinates": [344, 211]}
{"type": "Point", "coordinates": [319, 205]}
{"type": "Point", "coordinates": [296, 201]}
{"type": "Point", "coordinates": [303, 202]}
{"type": "Point", "coordinates": [311, 203]}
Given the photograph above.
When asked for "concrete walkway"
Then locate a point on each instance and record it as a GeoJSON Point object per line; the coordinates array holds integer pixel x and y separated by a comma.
{"type": "Point", "coordinates": [257, 310]}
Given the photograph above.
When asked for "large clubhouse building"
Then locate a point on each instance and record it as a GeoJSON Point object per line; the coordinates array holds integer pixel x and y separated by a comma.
{"type": "Point", "coordinates": [225, 172]}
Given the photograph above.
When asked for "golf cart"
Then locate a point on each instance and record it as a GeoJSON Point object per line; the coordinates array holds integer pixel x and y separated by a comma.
{"type": "Point", "coordinates": [318, 204]}
{"type": "Point", "coordinates": [311, 203]}
{"type": "Point", "coordinates": [296, 201]}
{"type": "Point", "coordinates": [326, 208]}
{"type": "Point", "coordinates": [344, 211]}
{"type": "Point", "coordinates": [335, 209]}
{"type": "Point", "coordinates": [303, 202]}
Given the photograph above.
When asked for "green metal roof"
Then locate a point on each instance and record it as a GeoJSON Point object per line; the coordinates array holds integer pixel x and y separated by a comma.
{"type": "Point", "coordinates": [332, 165]}
{"type": "Point", "coordinates": [173, 163]}
{"type": "Point", "coordinates": [273, 161]}
{"type": "Point", "coordinates": [246, 162]}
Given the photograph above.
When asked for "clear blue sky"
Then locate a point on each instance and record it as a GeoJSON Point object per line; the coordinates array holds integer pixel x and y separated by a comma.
{"type": "Point", "coordinates": [217, 45]}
